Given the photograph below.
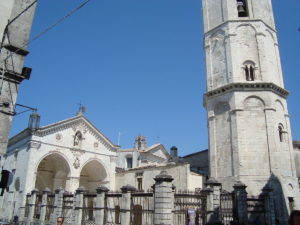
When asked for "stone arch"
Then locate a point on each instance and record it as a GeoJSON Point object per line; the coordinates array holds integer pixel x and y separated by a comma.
{"type": "Point", "coordinates": [246, 43]}
{"type": "Point", "coordinates": [279, 106]}
{"type": "Point", "coordinates": [218, 53]}
{"type": "Point", "coordinates": [221, 107]}
{"type": "Point", "coordinates": [52, 172]}
{"type": "Point", "coordinates": [254, 103]}
{"type": "Point", "coordinates": [246, 25]}
{"type": "Point", "coordinates": [93, 174]}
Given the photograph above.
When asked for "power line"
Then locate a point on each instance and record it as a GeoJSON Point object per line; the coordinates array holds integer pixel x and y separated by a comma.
{"type": "Point", "coordinates": [49, 28]}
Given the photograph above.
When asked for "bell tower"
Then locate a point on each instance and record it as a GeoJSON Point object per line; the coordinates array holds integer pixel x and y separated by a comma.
{"type": "Point", "coordinates": [248, 122]}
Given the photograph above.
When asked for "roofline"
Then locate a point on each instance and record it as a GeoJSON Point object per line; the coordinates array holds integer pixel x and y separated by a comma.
{"type": "Point", "coordinates": [195, 153]}
{"type": "Point", "coordinates": [296, 143]}
{"type": "Point", "coordinates": [19, 136]}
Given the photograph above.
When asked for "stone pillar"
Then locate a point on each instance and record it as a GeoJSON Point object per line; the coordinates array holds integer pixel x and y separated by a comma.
{"type": "Point", "coordinates": [23, 208]}
{"type": "Point", "coordinates": [126, 204]}
{"type": "Point", "coordinates": [44, 206]}
{"type": "Point", "coordinates": [269, 205]}
{"type": "Point", "coordinates": [32, 206]}
{"type": "Point", "coordinates": [100, 205]}
{"type": "Point", "coordinates": [58, 202]}
{"type": "Point", "coordinates": [240, 202]}
{"type": "Point", "coordinates": [163, 201]}
{"type": "Point", "coordinates": [77, 219]}
{"type": "Point", "coordinates": [213, 193]}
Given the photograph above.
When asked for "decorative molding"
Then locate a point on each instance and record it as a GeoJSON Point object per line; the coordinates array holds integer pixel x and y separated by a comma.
{"type": "Point", "coordinates": [249, 86]}
{"type": "Point", "coordinates": [76, 123]}
{"type": "Point", "coordinates": [34, 144]}
{"type": "Point", "coordinates": [58, 137]}
{"type": "Point", "coordinates": [77, 152]}
{"type": "Point", "coordinates": [76, 163]}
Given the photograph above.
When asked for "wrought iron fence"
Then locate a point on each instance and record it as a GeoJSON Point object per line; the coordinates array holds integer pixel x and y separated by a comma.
{"type": "Point", "coordinates": [27, 205]}
{"type": "Point", "coordinates": [88, 217]}
{"type": "Point", "coordinates": [142, 208]}
{"type": "Point", "coordinates": [256, 210]}
{"type": "Point", "coordinates": [67, 207]}
{"type": "Point", "coordinates": [112, 211]}
{"type": "Point", "coordinates": [37, 206]}
{"type": "Point", "coordinates": [226, 207]}
{"type": "Point", "coordinates": [49, 206]}
{"type": "Point", "coordinates": [189, 206]}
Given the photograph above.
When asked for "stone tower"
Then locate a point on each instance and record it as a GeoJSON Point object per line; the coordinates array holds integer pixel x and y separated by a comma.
{"type": "Point", "coordinates": [249, 128]}
{"type": "Point", "coordinates": [15, 25]}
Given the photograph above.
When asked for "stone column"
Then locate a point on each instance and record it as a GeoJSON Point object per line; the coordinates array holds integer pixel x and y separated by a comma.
{"type": "Point", "coordinates": [240, 204]}
{"type": "Point", "coordinates": [32, 206]}
{"type": "Point", "coordinates": [23, 208]}
{"type": "Point", "coordinates": [269, 205]}
{"type": "Point", "coordinates": [163, 201]}
{"type": "Point", "coordinates": [44, 206]}
{"type": "Point", "coordinates": [77, 219]}
{"type": "Point", "coordinates": [126, 204]}
{"type": "Point", "coordinates": [213, 193]}
{"type": "Point", "coordinates": [100, 205]}
{"type": "Point", "coordinates": [58, 202]}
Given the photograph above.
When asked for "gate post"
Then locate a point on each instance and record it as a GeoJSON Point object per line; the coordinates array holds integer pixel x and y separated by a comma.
{"type": "Point", "coordinates": [77, 218]}
{"type": "Point", "coordinates": [126, 204]}
{"type": "Point", "coordinates": [44, 205]}
{"type": "Point", "coordinates": [213, 193]}
{"type": "Point", "coordinates": [240, 206]}
{"type": "Point", "coordinates": [32, 206]}
{"type": "Point", "coordinates": [100, 205]}
{"type": "Point", "coordinates": [269, 205]}
{"type": "Point", "coordinates": [163, 199]}
{"type": "Point", "coordinates": [58, 201]}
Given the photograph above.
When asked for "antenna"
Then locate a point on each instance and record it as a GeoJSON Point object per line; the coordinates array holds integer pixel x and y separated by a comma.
{"type": "Point", "coordinates": [119, 137]}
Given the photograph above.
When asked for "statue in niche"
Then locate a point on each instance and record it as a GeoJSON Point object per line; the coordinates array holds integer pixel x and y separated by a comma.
{"type": "Point", "coordinates": [77, 139]}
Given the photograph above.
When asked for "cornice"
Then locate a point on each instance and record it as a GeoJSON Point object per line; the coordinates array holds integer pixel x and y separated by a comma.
{"type": "Point", "coordinates": [263, 86]}
{"type": "Point", "coordinates": [77, 122]}
{"type": "Point", "coordinates": [236, 21]}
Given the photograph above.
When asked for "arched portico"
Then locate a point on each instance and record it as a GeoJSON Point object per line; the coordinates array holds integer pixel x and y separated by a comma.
{"type": "Point", "coordinates": [52, 172]}
{"type": "Point", "coordinates": [92, 175]}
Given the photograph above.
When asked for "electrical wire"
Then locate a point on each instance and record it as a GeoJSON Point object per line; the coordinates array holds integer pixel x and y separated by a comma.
{"type": "Point", "coordinates": [49, 28]}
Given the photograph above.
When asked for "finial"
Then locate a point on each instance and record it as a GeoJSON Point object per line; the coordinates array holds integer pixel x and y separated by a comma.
{"type": "Point", "coordinates": [81, 109]}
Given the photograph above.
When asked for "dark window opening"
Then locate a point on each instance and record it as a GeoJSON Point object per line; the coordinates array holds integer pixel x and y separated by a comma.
{"type": "Point", "coordinates": [291, 203]}
{"type": "Point", "coordinates": [129, 162]}
{"type": "Point", "coordinates": [280, 133]}
{"type": "Point", "coordinates": [242, 8]}
{"type": "Point", "coordinates": [140, 183]}
{"type": "Point", "coordinates": [249, 71]}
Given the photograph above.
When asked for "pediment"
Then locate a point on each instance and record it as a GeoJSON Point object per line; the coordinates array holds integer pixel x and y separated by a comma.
{"type": "Point", "coordinates": [77, 123]}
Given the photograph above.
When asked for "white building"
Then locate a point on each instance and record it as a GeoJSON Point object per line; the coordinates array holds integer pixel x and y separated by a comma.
{"type": "Point", "coordinates": [73, 153]}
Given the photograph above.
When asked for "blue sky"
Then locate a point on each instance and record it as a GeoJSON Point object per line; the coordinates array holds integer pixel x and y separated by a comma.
{"type": "Point", "coordinates": [138, 67]}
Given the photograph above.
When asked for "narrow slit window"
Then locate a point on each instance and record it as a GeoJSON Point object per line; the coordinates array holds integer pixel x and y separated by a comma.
{"type": "Point", "coordinates": [251, 73]}
{"type": "Point", "coordinates": [247, 73]}
{"type": "Point", "coordinates": [280, 133]}
{"type": "Point", "coordinates": [242, 8]}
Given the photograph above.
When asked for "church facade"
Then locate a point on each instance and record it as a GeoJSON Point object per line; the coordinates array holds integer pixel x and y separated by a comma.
{"type": "Point", "coordinates": [73, 153]}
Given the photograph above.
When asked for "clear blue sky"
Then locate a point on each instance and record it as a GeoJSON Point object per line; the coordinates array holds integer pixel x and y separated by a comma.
{"type": "Point", "coordinates": [138, 67]}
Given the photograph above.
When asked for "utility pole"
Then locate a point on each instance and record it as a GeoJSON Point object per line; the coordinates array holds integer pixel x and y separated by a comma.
{"type": "Point", "coordinates": [15, 26]}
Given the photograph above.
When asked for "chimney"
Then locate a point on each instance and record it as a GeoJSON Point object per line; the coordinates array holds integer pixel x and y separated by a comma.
{"type": "Point", "coordinates": [174, 152]}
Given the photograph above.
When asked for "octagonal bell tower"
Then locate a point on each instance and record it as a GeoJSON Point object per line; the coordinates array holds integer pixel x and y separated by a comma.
{"type": "Point", "coordinates": [249, 128]}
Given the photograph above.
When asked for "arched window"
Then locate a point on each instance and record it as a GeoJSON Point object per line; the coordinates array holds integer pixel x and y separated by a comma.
{"type": "Point", "coordinates": [249, 69]}
{"type": "Point", "coordinates": [242, 8]}
{"type": "Point", "coordinates": [77, 139]}
{"type": "Point", "coordinates": [280, 133]}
